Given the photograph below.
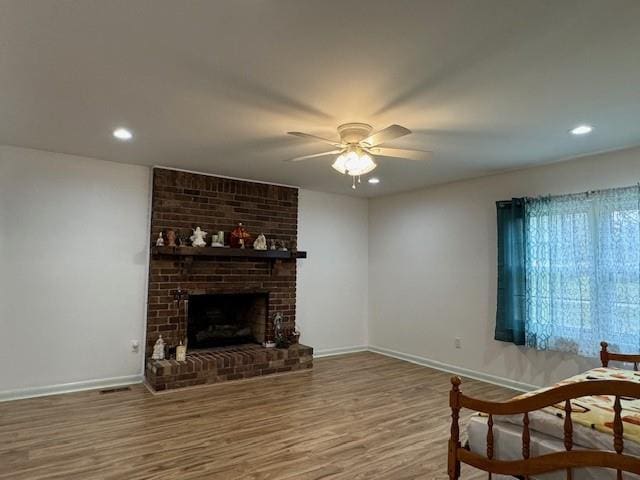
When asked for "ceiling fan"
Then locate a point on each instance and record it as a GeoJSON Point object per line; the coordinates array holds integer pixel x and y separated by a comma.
{"type": "Point", "coordinates": [357, 146]}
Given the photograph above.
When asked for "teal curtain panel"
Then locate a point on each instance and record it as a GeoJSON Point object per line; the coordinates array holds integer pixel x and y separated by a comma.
{"type": "Point", "coordinates": [511, 308]}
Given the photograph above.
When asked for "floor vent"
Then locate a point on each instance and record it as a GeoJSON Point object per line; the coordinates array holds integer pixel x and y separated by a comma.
{"type": "Point", "coordinates": [115, 390]}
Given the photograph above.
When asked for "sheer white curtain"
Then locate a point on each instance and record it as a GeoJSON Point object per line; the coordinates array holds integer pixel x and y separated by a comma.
{"type": "Point", "coordinates": [582, 271]}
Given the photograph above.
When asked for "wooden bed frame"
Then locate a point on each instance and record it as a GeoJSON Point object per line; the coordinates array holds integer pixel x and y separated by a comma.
{"type": "Point", "coordinates": [606, 356]}
{"type": "Point", "coordinates": [558, 461]}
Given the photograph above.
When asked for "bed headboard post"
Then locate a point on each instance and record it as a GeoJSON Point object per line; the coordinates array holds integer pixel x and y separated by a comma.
{"type": "Point", "coordinates": [454, 441]}
{"type": "Point", "coordinates": [604, 354]}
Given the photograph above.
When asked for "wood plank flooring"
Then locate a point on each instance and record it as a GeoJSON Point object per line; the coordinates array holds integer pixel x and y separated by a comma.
{"type": "Point", "coordinates": [359, 416]}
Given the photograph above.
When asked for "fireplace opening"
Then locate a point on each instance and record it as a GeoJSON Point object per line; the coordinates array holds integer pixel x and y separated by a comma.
{"type": "Point", "coordinates": [219, 320]}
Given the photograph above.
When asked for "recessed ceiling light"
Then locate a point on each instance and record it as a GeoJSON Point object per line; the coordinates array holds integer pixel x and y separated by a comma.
{"type": "Point", "coordinates": [122, 134]}
{"type": "Point", "coordinates": [374, 180]}
{"type": "Point", "coordinates": [582, 130]}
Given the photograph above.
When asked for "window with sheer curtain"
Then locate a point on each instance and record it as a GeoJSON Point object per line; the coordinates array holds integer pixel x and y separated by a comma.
{"type": "Point", "coordinates": [582, 271]}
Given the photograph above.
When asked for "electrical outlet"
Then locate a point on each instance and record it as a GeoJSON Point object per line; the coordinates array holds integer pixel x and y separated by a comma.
{"type": "Point", "coordinates": [135, 346]}
{"type": "Point", "coordinates": [458, 342]}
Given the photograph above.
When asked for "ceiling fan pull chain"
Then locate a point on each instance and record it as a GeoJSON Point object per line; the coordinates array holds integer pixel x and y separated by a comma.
{"type": "Point", "coordinates": [353, 185]}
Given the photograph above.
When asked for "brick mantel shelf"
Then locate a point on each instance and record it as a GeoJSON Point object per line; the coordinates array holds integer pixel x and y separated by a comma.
{"type": "Point", "coordinates": [227, 252]}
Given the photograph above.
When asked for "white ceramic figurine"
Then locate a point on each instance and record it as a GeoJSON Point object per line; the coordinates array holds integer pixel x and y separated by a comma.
{"type": "Point", "coordinates": [197, 239]}
{"type": "Point", "coordinates": [260, 243]}
{"type": "Point", "coordinates": [158, 349]}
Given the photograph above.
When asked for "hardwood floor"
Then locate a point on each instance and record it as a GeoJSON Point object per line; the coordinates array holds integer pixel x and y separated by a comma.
{"type": "Point", "coordinates": [359, 416]}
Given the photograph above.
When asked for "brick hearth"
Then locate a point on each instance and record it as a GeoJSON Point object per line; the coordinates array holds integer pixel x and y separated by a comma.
{"type": "Point", "coordinates": [227, 363]}
{"type": "Point", "coordinates": [181, 201]}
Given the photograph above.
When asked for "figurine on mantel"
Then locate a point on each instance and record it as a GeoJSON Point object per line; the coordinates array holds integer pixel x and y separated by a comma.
{"type": "Point", "coordinates": [216, 241]}
{"type": "Point", "coordinates": [158, 349]}
{"type": "Point", "coordinates": [160, 240]}
{"type": "Point", "coordinates": [171, 238]}
{"type": "Point", "coordinates": [260, 243]}
{"type": "Point", "coordinates": [239, 237]}
{"type": "Point", "coordinates": [197, 239]}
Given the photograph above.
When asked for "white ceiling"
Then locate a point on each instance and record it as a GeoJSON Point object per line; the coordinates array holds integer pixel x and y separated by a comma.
{"type": "Point", "coordinates": [214, 85]}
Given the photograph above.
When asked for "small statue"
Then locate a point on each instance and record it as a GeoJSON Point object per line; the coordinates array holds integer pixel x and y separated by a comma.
{"type": "Point", "coordinates": [283, 246]}
{"type": "Point", "coordinates": [260, 243]}
{"type": "Point", "coordinates": [171, 238]}
{"type": "Point", "coordinates": [158, 349]}
{"type": "Point", "coordinates": [160, 240]}
{"type": "Point", "coordinates": [239, 237]}
{"type": "Point", "coordinates": [197, 239]}
{"type": "Point", "coordinates": [272, 244]}
{"type": "Point", "coordinates": [294, 336]}
{"type": "Point", "coordinates": [181, 352]}
{"type": "Point", "coordinates": [216, 241]}
{"type": "Point", "coordinates": [278, 330]}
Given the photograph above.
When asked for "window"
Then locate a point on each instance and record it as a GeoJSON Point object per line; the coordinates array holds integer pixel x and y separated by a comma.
{"type": "Point", "coordinates": [582, 271]}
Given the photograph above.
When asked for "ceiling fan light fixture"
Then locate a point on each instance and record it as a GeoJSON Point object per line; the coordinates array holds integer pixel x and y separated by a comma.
{"type": "Point", "coordinates": [356, 148]}
{"type": "Point", "coordinates": [354, 162]}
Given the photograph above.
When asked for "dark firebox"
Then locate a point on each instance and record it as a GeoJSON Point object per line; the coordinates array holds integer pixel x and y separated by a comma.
{"type": "Point", "coordinates": [219, 320]}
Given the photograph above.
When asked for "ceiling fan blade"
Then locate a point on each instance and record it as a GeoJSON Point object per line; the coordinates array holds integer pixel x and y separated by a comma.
{"type": "Point", "coordinates": [400, 153]}
{"type": "Point", "coordinates": [307, 157]}
{"type": "Point", "coordinates": [385, 135]}
{"type": "Point", "coordinates": [313, 137]}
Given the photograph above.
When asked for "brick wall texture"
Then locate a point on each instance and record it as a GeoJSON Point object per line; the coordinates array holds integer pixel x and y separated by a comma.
{"type": "Point", "coordinates": [182, 201]}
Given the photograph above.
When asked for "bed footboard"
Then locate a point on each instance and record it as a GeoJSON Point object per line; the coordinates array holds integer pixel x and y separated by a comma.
{"type": "Point", "coordinates": [568, 459]}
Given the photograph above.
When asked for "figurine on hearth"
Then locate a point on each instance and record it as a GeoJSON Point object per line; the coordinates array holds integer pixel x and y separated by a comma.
{"type": "Point", "coordinates": [294, 336]}
{"type": "Point", "coordinates": [197, 239]}
{"type": "Point", "coordinates": [160, 240]}
{"type": "Point", "coordinates": [278, 332]}
{"type": "Point", "coordinates": [158, 349]}
{"type": "Point", "coordinates": [260, 242]}
{"type": "Point", "coordinates": [239, 237]}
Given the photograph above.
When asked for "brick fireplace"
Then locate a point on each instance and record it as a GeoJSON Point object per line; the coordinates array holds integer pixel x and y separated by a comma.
{"type": "Point", "coordinates": [222, 300]}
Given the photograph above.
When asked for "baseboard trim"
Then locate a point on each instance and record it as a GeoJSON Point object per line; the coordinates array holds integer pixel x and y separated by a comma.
{"type": "Point", "coordinates": [330, 352]}
{"type": "Point", "coordinates": [464, 372]}
{"type": "Point", "coordinates": [69, 387]}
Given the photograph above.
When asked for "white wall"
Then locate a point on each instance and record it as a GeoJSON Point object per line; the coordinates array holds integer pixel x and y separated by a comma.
{"type": "Point", "coordinates": [332, 293]}
{"type": "Point", "coordinates": [407, 273]}
{"type": "Point", "coordinates": [73, 256]}
{"type": "Point", "coordinates": [432, 259]}
{"type": "Point", "coordinates": [73, 271]}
